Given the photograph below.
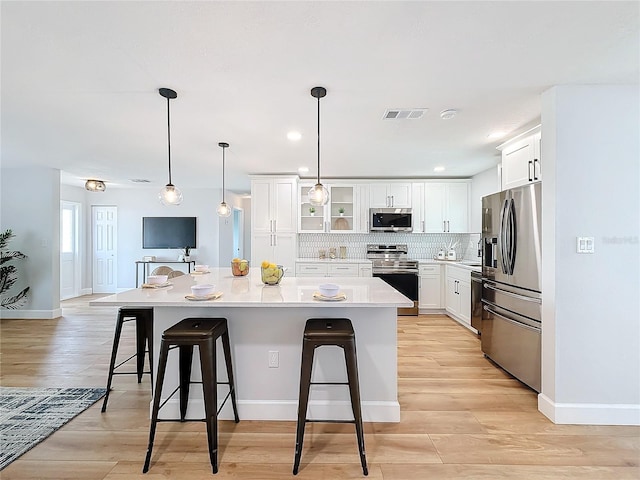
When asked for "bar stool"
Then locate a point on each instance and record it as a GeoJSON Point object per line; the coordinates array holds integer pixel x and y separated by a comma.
{"type": "Point", "coordinates": [144, 343]}
{"type": "Point", "coordinates": [203, 333]}
{"type": "Point", "coordinates": [319, 332]}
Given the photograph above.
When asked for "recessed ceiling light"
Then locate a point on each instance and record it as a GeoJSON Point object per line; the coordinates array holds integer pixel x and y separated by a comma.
{"type": "Point", "coordinates": [447, 114]}
{"type": "Point", "coordinates": [294, 136]}
{"type": "Point", "coordinates": [303, 170]}
{"type": "Point", "coordinates": [496, 134]}
{"type": "Point", "coordinates": [439, 169]}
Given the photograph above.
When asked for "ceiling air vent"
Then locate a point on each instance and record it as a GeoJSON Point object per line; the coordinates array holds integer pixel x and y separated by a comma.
{"type": "Point", "coordinates": [404, 113]}
{"type": "Point", "coordinates": [140, 180]}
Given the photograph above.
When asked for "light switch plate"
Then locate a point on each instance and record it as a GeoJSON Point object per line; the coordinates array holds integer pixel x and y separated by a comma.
{"type": "Point", "coordinates": [585, 244]}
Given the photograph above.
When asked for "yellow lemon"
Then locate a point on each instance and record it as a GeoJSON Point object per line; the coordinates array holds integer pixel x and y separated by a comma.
{"type": "Point", "coordinates": [264, 264]}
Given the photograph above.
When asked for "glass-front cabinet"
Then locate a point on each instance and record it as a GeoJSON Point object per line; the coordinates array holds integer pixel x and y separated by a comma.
{"type": "Point", "coordinates": [335, 217]}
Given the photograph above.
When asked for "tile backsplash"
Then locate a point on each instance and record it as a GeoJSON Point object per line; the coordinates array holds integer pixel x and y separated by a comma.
{"type": "Point", "coordinates": [420, 245]}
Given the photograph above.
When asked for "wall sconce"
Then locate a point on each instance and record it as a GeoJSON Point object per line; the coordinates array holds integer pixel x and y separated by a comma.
{"type": "Point", "coordinates": [95, 185]}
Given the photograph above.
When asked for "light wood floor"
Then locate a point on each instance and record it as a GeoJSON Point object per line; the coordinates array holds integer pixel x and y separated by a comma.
{"type": "Point", "coordinates": [462, 418]}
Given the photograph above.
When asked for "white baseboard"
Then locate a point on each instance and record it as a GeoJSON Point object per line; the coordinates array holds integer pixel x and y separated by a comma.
{"type": "Point", "coordinates": [287, 410]}
{"type": "Point", "coordinates": [589, 413]}
{"type": "Point", "coordinates": [31, 314]}
{"type": "Point", "coordinates": [86, 291]}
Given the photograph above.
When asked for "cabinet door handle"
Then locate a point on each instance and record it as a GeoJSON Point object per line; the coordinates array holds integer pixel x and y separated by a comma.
{"type": "Point", "coordinates": [444, 225]}
{"type": "Point", "coordinates": [393, 200]}
{"type": "Point", "coordinates": [536, 162]}
{"type": "Point", "coordinates": [422, 226]}
{"type": "Point", "coordinates": [275, 226]}
{"type": "Point", "coordinates": [529, 168]}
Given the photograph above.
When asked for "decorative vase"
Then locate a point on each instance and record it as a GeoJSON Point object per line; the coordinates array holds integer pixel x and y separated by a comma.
{"type": "Point", "coordinates": [186, 258]}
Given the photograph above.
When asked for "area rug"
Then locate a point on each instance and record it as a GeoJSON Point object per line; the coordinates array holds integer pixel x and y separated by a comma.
{"type": "Point", "coordinates": [29, 415]}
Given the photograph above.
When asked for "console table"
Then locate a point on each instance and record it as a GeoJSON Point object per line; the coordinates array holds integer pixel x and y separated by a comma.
{"type": "Point", "coordinates": [145, 268]}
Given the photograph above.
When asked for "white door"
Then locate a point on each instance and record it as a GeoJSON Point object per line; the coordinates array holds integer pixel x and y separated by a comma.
{"type": "Point", "coordinates": [69, 258]}
{"type": "Point", "coordinates": [105, 233]}
{"type": "Point", "coordinates": [238, 232]}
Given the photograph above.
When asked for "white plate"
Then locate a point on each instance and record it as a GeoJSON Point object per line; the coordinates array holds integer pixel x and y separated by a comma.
{"type": "Point", "coordinates": [211, 296]}
{"type": "Point", "coordinates": [200, 273]}
{"type": "Point", "coordinates": [340, 296]}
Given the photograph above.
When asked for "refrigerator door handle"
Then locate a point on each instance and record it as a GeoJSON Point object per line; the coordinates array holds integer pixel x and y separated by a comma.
{"type": "Point", "coordinates": [511, 294]}
{"type": "Point", "coordinates": [512, 236]}
{"type": "Point", "coordinates": [507, 319]}
{"type": "Point", "coordinates": [503, 237]}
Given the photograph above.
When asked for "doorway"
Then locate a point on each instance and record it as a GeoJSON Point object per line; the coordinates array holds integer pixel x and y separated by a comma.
{"type": "Point", "coordinates": [69, 250]}
{"type": "Point", "coordinates": [238, 232]}
{"type": "Point", "coordinates": [104, 228]}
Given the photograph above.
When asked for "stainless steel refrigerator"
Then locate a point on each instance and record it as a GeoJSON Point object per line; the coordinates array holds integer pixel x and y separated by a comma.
{"type": "Point", "coordinates": [511, 281]}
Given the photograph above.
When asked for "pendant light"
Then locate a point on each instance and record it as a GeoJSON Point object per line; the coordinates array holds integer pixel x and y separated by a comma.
{"type": "Point", "coordinates": [170, 194]}
{"type": "Point", "coordinates": [318, 195]}
{"type": "Point", "coordinates": [223, 210]}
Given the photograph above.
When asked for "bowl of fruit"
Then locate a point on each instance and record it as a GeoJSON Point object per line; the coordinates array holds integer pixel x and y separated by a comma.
{"type": "Point", "coordinates": [239, 267]}
{"type": "Point", "coordinates": [271, 273]}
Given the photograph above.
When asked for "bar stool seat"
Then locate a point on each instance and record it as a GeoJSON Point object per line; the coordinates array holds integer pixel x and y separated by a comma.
{"type": "Point", "coordinates": [319, 332]}
{"type": "Point", "coordinates": [203, 333]}
{"type": "Point", "coordinates": [143, 317]}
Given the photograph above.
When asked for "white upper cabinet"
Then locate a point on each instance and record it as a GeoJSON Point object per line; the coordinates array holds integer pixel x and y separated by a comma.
{"type": "Point", "coordinates": [417, 207]}
{"type": "Point", "coordinates": [396, 194]}
{"type": "Point", "coordinates": [521, 160]}
{"type": "Point", "coordinates": [446, 207]}
{"type": "Point", "coordinates": [340, 215]}
{"type": "Point", "coordinates": [273, 204]}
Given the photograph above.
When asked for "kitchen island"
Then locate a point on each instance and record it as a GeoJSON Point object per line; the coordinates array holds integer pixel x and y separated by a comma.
{"type": "Point", "coordinates": [266, 325]}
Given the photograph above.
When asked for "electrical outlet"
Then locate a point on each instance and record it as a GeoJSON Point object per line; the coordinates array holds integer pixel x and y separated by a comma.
{"type": "Point", "coordinates": [274, 359]}
{"type": "Point", "coordinates": [585, 244]}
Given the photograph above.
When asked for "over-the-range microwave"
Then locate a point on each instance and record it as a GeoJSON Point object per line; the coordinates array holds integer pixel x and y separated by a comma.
{"type": "Point", "coordinates": [390, 220]}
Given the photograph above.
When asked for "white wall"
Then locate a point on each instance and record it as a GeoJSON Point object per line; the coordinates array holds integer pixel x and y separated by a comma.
{"type": "Point", "coordinates": [133, 204]}
{"type": "Point", "coordinates": [36, 223]}
{"type": "Point", "coordinates": [30, 207]}
{"type": "Point", "coordinates": [591, 315]}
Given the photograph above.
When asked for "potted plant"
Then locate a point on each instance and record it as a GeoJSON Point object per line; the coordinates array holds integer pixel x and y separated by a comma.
{"type": "Point", "coordinates": [312, 211]}
{"type": "Point", "coordinates": [341, 211]}
{"type": "Point", "coordinates": [8, 275]}
{"type": "Point", "coordinates": [187, 254]}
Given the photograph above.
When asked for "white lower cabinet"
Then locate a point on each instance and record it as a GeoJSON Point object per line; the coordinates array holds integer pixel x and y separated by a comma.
{"type": "Point", "coordinates": [337, 269]}
{"type": "Point", "coordinates": [458, 294]}
{"type": "Point", "coordinates": [429, 294]}
{"type": "Point", "coordinates": [365, 270]}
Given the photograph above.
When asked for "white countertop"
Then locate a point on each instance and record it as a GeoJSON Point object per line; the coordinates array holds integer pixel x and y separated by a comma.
{"type": "Point", "coordinates": [457, 263]}
{"type": "Point", "coordinates": [249, 291]}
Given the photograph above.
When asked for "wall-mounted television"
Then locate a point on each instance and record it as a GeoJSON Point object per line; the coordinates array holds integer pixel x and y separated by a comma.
{"type": "Point", "coordinates": [168, 232]}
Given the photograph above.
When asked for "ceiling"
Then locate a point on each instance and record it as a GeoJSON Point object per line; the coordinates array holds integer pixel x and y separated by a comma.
{"type": "Point", "coordinates": [80, 83]}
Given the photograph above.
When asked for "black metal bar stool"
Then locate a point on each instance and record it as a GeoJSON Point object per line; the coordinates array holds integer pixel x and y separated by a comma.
{"type": "Point", "coordinates": [203, 333]}
{"type": "Point", "coordinates": [144, 343]}
{"type": "Point", "coordinates": [319, 332]}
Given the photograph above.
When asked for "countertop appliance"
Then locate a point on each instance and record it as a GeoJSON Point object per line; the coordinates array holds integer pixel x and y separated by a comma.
{"type": "Point", "coordinates": [476, 301]}
{"type": "Point", "coordinates": [390, 220]}
{"type": "Point", "coordinates": [392, 264]}
{"type": "Point", "coordinates": [511, 287]}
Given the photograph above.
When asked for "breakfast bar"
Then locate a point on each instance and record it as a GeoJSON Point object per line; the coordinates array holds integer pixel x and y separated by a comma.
{"type": "Point", "coordinates": [266, 324]}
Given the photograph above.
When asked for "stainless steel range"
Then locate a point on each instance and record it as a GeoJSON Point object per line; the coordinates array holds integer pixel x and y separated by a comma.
{"type": "Point", "coordinates": [391, 264]}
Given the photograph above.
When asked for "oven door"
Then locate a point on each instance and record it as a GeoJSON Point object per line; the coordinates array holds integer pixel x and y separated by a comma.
{"type": "Point", "coordinates": [405, 283]}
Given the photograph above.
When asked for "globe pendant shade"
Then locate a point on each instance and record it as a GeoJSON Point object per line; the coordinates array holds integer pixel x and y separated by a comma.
{"type": "Point", "coordinates": [223, 210]}
{"type": "Point", "coordinates": [318, 195]}
{"type": "Point", "coordinates": [170, 195]}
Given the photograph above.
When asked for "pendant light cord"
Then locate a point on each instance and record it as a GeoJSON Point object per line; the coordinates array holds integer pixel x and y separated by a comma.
{"type": "Point", "coordinates": [318, 139]}
{"type": "Point", "coordinates": [169, 138]}
{"type": "Point", "coordinates": [223, 149]}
